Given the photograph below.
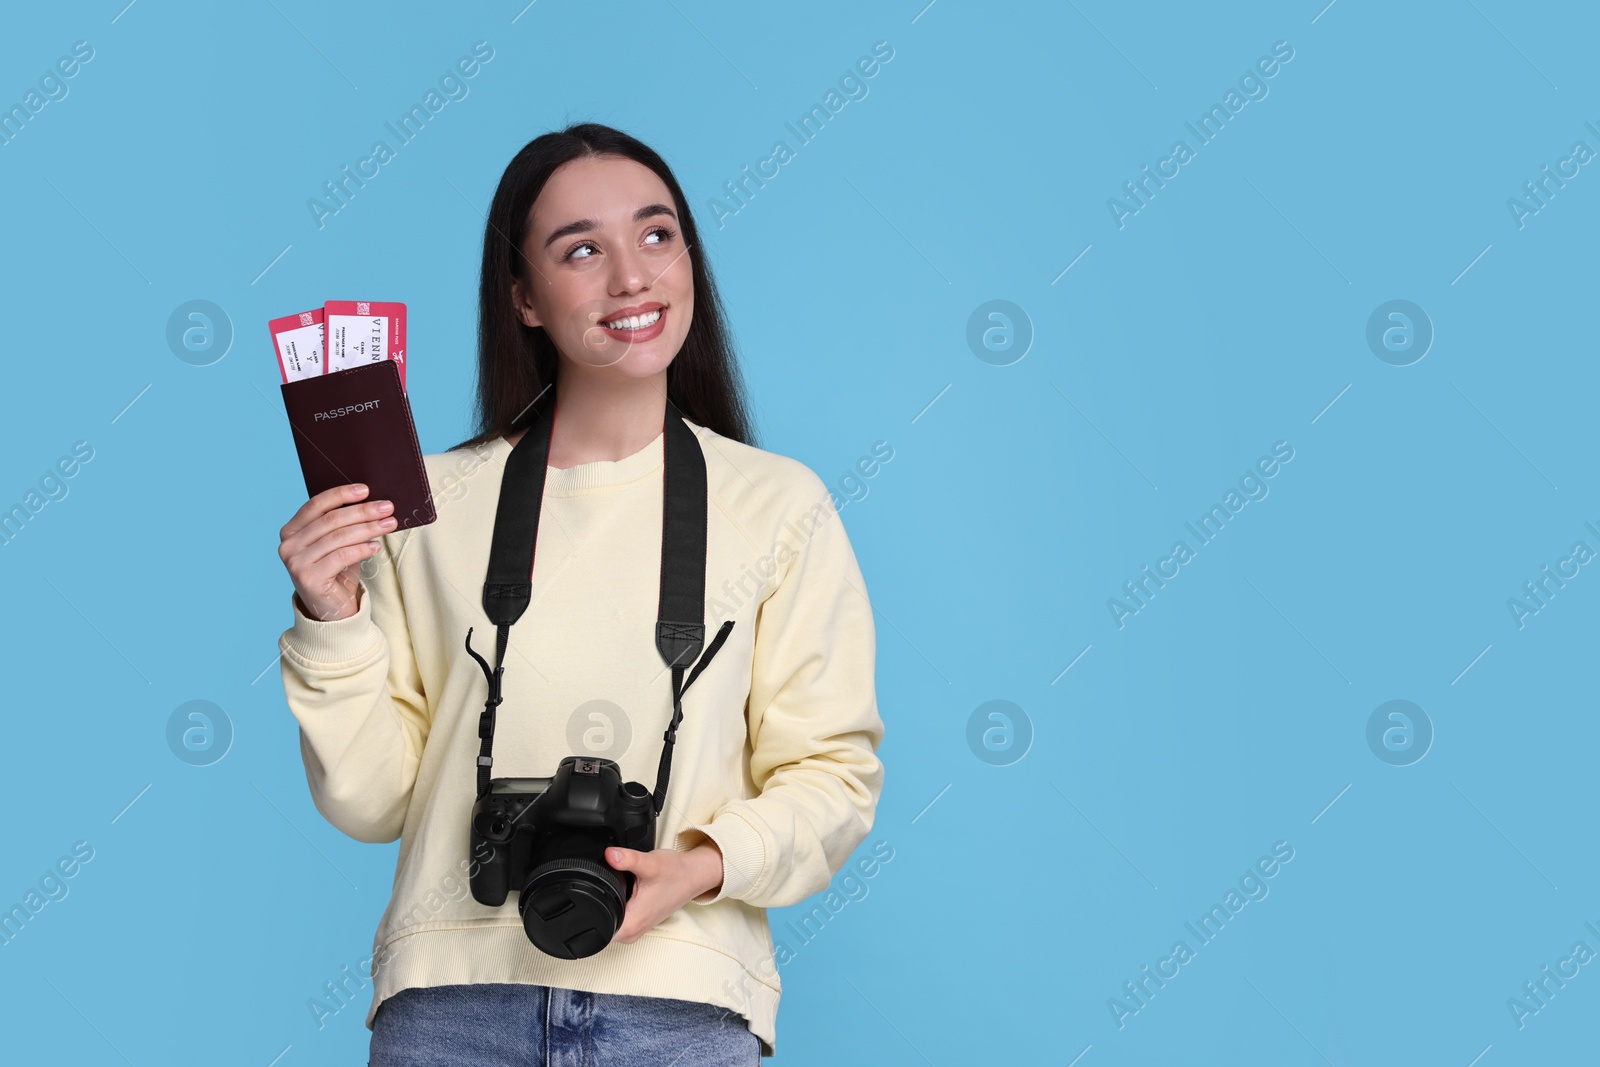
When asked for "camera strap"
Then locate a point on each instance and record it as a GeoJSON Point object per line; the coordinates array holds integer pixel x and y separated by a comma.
{"type": "Point", "coordinates": [680, 618]}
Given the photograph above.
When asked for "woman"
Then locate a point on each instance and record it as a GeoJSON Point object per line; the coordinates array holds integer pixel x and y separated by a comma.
{"type": "Point", "coordinates": [593, 286]}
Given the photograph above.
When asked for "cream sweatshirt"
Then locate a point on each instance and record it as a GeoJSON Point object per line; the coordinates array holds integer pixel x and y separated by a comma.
{"type": "Point", "coordinates": [776, 756]}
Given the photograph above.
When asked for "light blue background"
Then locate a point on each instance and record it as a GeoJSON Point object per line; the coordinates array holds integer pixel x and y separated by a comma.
{"type": "Point", "coordinates": [1230, 313]}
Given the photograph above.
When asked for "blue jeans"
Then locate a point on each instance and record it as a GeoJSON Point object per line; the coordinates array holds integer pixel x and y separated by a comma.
{"type": "Point", "coordinates": [500, 1025]}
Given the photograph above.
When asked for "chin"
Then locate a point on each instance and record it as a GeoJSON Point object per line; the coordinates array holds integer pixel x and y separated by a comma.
{"type": "Point", "coordinates": [636, 361]}
{"type": "Point", "coordinates": [630, 364]}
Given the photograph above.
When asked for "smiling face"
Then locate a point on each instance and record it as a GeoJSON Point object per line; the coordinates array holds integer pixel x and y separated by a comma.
{"type": "Point", "coordinates": [605, 269]}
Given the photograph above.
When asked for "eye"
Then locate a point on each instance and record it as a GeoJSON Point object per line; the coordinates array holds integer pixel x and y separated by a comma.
{"type": "Point", "coordinates": [666, 235]}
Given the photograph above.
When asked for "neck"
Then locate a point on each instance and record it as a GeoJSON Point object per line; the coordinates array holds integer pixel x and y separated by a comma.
{"type": "Point", "coordinates": [605, 419]}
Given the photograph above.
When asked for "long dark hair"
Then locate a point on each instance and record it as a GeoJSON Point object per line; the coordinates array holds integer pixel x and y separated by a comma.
{"type": "Point", "coordinates": [517, 362]}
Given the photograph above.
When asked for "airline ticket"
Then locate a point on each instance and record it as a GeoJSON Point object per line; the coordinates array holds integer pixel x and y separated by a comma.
{"type": "Point", "coordinates": [362, 331]}
{"type": "Point", "coordinates": [298, 340]}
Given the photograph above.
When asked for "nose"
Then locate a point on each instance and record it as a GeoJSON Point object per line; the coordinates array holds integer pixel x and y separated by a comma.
{"type": "Point", "coordinates": [629, 271]}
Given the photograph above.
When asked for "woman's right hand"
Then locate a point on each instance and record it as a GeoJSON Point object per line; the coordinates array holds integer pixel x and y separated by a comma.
{"type": "Point", "coordinates": [324, 545]}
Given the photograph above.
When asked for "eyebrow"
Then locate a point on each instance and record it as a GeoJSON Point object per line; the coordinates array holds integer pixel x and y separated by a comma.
{"type": "Point", "coordinates": [585, 225]}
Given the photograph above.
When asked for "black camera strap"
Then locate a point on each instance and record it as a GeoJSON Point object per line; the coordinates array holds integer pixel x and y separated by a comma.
{"type": "Point", "coordinates": [680, 619]}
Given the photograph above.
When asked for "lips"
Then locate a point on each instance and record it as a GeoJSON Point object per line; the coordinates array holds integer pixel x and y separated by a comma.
{"type": "Point", "coordinates": [642, 333]}
{"type": "Point", "coordinates": [631, 311]}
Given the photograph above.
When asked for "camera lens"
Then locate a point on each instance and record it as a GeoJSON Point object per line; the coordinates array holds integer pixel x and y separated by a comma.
{"type": "Point", "coordinates": [571, 908]}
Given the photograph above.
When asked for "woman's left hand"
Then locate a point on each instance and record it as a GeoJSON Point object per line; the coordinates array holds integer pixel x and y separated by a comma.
{"type": "Point", "coordinates": [665, 880]}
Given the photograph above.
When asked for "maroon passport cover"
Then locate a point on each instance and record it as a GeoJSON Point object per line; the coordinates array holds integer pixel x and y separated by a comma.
{"type": "Point", "coordinates": [355, 425]}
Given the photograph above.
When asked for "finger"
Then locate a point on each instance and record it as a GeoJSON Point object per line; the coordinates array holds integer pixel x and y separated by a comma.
{"type": "Point", "coordinates": [321, 504]}
{"type": "Point", "coordinates": [640, 916]}
{"type": "Point", "coordinates": [630, 922]}
{"type": "Point", "coordinates": [631, 859]}
{"type": "Point", "coordinates": [353, 527]}
{"type": "Point", "coordinates": [347, 525]}
{"type": "Point", "coordinates": [643, 906]}
{"type": "Point", "coordinates": [321, 570]}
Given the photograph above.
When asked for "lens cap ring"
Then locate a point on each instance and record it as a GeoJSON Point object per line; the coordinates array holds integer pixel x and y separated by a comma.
{"type": "Point", "coordinates": [571, 908]}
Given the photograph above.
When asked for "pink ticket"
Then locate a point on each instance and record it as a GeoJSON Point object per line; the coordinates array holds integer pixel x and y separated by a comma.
{"type": "Point", "coordinates": [361, 332]}
{"type": "Point", "coordinates": [299, 342]}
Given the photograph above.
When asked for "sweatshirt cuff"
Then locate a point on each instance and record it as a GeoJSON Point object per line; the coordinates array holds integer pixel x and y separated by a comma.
{"type": "Point", "coordinates": [744, 855]}
{"type": "Point", "coordinates": [331, 642]}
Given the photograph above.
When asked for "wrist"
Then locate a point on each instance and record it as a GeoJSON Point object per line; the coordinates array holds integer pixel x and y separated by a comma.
{"type": "Point", "coordinates": [710, 858]}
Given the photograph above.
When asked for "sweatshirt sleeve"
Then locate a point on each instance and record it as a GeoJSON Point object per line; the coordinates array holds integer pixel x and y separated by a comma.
{"type": "Point", "coordinates": [353, 685]}
{"type": "Point", "coordinates": [814, 730]}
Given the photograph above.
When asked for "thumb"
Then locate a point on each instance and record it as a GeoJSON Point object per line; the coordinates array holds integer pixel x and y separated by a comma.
{"type": "Point", "coordinates": [623, 859]}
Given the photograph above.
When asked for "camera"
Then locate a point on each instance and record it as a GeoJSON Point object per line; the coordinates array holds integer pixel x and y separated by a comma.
{"type": "Point", "coordinates": [548, 838]}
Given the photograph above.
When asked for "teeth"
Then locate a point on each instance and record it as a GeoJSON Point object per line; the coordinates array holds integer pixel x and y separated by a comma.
{"type": "Point", "coordinates": [634, 322]}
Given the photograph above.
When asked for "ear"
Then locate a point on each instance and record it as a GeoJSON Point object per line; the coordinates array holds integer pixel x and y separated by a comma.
{"type": "Point", "coordinates": [525, 310]}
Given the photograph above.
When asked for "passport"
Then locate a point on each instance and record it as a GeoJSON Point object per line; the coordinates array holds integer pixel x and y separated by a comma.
{"type": "Point", "coordinates": [355, 425]}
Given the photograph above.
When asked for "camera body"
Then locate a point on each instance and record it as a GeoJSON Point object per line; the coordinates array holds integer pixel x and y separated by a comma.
{"type": "Point", "coordinates": [547, 837]}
